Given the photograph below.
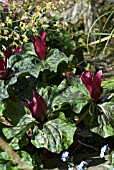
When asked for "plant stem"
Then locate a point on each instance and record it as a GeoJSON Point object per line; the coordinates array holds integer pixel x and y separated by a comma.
{"type": "Point", "coordinates": [82, 117]}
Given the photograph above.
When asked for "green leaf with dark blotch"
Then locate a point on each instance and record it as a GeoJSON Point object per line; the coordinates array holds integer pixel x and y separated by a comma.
{"type": "Point", "coordinates": [3, 165]}
{"type": "Point", "coordinates": [12, 166]}
{"type": "Point", "coordinates": [14, 110]}
{"type": "Point", "coordinates": [26, 159]}
{"type": "Point", "coordinates": [109, 83]}
{"type": "Point", "coordinates": [71, 91]}
{"type": "Point", "coordinates": [28, 49]}
{"type": "Point", "coordinates": [4, 156]}
{"type": "Point", "coordinates": [54, 58]}
{"type": "Point", "coordinates": [25, 66]}
{"type": "Point", "coordinates": [105, 120]}
{"type": "Point", "coordinates": [16, 143]}
{"type": "Point", "coordinates": [3, 91]}
{"type": "Point", "coordinates": [45, 93]}
{"type": "Point", "coordinates": [7, 162]}
{"type": "Point", "coordinates": [26, 122]}
{"type": "Point", "coordinates": [2, 107]}
{"type": "Point", "coordinates": [56, 135]}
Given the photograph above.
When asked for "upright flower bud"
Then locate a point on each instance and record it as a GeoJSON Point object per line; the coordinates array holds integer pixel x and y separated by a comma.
{"type": "Point", "coordinates": [37, 106]}
{"type": "Point", "coordinates": [3, 68]}
{"type": "Point", "coordinates": [93, 84]}
{"type": "Point", "coordinates": [40, 46]}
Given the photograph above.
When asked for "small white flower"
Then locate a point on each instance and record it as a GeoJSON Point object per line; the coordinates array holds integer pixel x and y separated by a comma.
{"type": "Point", "coordinates": [82, 165]}
{"type": "Point", "coordinates": [70, 168]}
{"type": "Point", "coordinates": [104, 149]}
{"type": "Point", "coordinates": [102, 154]}
{"type": "Point", "coordinates": [64, 156]}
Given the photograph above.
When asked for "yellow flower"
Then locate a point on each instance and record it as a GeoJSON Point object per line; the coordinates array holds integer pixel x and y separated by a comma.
{"type": "Point", "coordinates": [22, 26]}
{"type": "Point", "coordinates": [25, 39]}
{"type": "Point", "coordinates": [6, 32]}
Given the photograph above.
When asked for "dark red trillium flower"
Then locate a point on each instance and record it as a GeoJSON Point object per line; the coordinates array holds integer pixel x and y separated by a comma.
{"type": "Point", "coordinates": [40, 46]}
{"type": "Point", "coordinates": [8, 52]}
{"type": "Point", "coordinates": [38, 107]}
{"type": "Point", "coordinates": [68, 74]}
{"type": "Point", "coordinates": [18, 50]}
{"type": "Point", "coordinates": [3, 68]}
{"type": "Point", "coordinates": [93, 84]}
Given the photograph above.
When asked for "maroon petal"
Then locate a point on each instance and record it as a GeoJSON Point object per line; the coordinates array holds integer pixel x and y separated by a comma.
{"type": "Point", "coordinates": [2, 64]}
{"type": "Point", "coordinates": [40, 46]}
{"type": "Point", "coordinates": [96, 86]}
{"type": "Point", "coordinates": [8, 52]}
{"type": "Point", "coordinates": [39, 108]}
{"type": "Point", "coordinates": [68, 74]}
{"type": "Point", "coordinates": [3, 68]}
{"type": "Point", "coordinates": [87, 80]}
{"type": "Point", "coordinates": [4, 74]}
{"type": "Point", "coordinates": [18, 50]}
{"type": "Point", "coordinates": [29, 104]}
{"type": "Point", "coordinates": [43, 36]}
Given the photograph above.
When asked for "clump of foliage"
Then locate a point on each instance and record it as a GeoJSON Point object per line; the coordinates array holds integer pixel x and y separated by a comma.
{"type": "Point", "coordinates": [45, 92]}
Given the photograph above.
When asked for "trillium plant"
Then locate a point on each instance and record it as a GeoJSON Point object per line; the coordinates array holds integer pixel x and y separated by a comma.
{"type": "Point", "coordinates": [43, 102]}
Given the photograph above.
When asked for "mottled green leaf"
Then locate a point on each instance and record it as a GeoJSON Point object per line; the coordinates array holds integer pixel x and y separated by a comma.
{"type": "Point", "coordinates": [26, 158]}
{"type": "Point", "coordinates": [54, 58]}
{"type": "Point", "coordinates": [26, 66]}
{"type": "Point", "coordinates": [2, 165]}
{"type": "Point", "coordinates": [1, 108]}
{"type": "Point", "coordinates": [13, 110]}
{"type": "Point", "coordinates": [105, 120]}
{"type": "Point", "coordinates": [8, 163]}
{"type": "Point", "coordinates": [24, 124]}
{"type": "Point", "coordinates": [3, 90]}
{"type": "Point", "coordinates": [5, 156]}
{"type": "Point", "coordinates": [12, 166]}
{"type": "Point", "coordinates": [71, 91]}
{"type": "Point", "coordinates": [109, 83]}
{"type": "Point", "coordinates": [29, 49]}
{"type": "Point", "coordinates": [16, 143]}
{"type": "Point", "coordinates": [56, 134]}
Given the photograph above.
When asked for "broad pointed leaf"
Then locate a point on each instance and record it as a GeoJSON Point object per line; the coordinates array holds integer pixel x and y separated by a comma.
{"type": "Point", "coordinates": [71, 91]}
{"type": "Point", "coordinates": [29, 49]}
{"type": "Point", "coordinates": [3, 90]}
{"type": "Point", "coordinates": [16, 143]}
{"type": "Point", "coordinates": [14, 110]}
{"type": "Point", "coordinates": [26, 159]}
{"type": "Point", "coordinates": [54, 58]}
{"type": "Point", "coordinates": [105, 120]}
{"type": "Point", "coordinates": [24, 124]}
{"type": "Point", "coordinates": [56, 134]}
{"type": "Point", "coordinates": [26, 66]}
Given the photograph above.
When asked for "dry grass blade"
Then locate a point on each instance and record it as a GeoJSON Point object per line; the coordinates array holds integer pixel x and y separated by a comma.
{"type": "Point", "coordinates": [102, 40]}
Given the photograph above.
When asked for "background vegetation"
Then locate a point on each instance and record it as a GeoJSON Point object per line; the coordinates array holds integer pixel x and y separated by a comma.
{"type": "Point", "coordinates": [48, 49]}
